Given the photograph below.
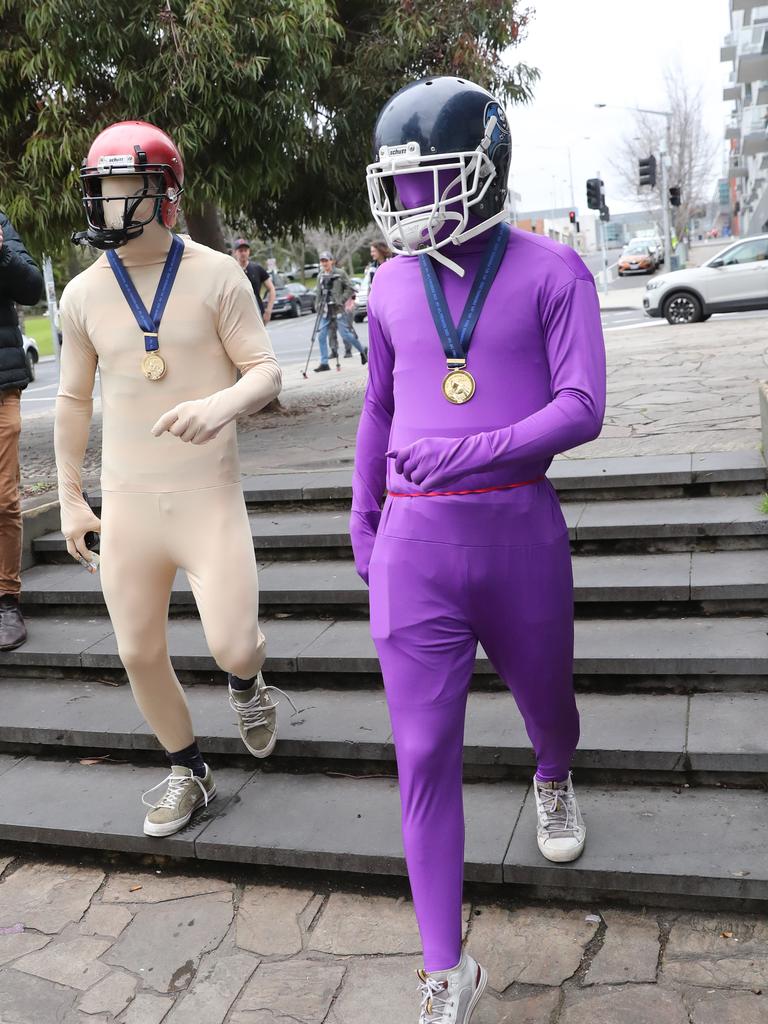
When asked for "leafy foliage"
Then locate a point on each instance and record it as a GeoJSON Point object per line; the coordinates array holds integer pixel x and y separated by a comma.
{"type": "Point", "coordinates": [272, 105]}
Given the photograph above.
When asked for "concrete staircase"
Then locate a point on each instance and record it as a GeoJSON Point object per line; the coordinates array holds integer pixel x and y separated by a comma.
{"type": "Point", "coordinates": [671, 570]}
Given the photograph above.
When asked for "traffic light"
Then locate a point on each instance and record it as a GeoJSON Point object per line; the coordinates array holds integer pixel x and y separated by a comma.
{"type": "Point", "coordinates": [674, 195]}
{"type": "Point", "coordinates": [595, 194]}
{"type": "Point", "coordinates": [647, 169]}
{"type": "Point", "coordinates": [605, 213]}
{"type": "Point", "coordinates": [572, 216]}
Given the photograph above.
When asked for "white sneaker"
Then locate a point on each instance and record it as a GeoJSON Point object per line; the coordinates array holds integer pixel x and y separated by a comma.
{"type": "Point", "coordinates": [257, 716]}
{"type": "Point", "coordinates": [186, 793]}
{"type": "Point", "coordinates": [561, 831]}
{"type": "Point", "coordinates": [450, 997]}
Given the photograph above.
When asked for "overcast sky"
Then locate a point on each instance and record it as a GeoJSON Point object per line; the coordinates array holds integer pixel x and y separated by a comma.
{"type": "Point", "coordinates": [606, 51]}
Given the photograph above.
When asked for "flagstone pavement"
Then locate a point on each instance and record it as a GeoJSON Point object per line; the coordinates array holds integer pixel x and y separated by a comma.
{"type": "Point", "coordinates": [85, 943]}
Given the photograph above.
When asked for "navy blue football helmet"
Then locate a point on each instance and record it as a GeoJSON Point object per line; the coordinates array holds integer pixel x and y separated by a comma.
{"type": "Point", "coordinates": [457, 131]}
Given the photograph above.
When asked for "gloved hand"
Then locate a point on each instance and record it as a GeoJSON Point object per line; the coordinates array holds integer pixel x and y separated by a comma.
{"type": "Point", "coordinates": [196, 422]}
{"type": "Point", "coordinates": [362, 530]}
{"type": "Point", "coordinates": [434, 463]}
{"type": "Point", "coordinates": [77, 519]}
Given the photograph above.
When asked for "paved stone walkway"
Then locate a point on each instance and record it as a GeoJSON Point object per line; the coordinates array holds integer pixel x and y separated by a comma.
{"type": "Point", "coordinates": [83, 943]}
{"type": "Point", "coordinates": [671, 390]}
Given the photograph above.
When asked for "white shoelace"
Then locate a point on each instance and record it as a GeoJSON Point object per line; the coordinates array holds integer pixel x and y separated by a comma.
{"type": "Point", "coordinates": [176, 786]}
{"type": "Point", "coordinates": [431, 1013]}
{"type": "Point", "coordinates": [253, 712]}
{"type": "Point", "coordinates": [558, 807]}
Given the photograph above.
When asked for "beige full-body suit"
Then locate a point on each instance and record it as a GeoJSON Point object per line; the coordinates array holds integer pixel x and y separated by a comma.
{"type": "Point", "coordinates": [171, 493]}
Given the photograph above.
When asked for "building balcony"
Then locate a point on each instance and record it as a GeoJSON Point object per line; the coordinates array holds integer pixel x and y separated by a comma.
{"type": "Point", "coordinates": [754, 136]}
{"type": "Point", "coordinates": [746, 5]}
{"type": "Point", "coordinates": [738, 172]}
{"type": "Point", "coordinates": [733, 131]}
{"type": "Point", "coordinates": [732, 92]}
{"type": "Point", "coordinates": [752, 64]}
{"type": "Point", "coordinates": [728, 52]}
{"type": "Point", "coordinates": [755, 143]}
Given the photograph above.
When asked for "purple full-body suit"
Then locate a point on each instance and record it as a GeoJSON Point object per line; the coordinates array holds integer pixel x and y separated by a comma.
{"type": "Point", "coordinates": [448, 571]}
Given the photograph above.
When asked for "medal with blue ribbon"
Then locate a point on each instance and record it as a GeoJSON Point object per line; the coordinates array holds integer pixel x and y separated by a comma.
{"type": "Point", "coordinates": [459, 385]}
{"type": "Point", "coordinates": [152, 365]}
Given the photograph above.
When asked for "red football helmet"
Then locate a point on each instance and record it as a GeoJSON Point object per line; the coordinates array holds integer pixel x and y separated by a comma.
{"type": "Point", "coordinates": [130, 148]}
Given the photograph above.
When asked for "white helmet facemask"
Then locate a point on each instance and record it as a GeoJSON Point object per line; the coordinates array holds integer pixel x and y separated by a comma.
{"type": "Point", "coordinates": [414, 231]}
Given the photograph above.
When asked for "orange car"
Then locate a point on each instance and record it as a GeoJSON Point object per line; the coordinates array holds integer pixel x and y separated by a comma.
{"type": "Point", "coordinates": [637, 258]}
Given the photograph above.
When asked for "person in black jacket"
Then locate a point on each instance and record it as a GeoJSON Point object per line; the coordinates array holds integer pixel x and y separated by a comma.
{"type": "Point", "coordinates": [258, 277]}
{"type": "Point", "coordinates": [20, 281]}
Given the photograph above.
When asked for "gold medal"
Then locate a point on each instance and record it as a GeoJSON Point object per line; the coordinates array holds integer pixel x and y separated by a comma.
{"type": "Point", "coordinates": [459, 386]}
{"type": "Point", "coordinates": [153, 366]}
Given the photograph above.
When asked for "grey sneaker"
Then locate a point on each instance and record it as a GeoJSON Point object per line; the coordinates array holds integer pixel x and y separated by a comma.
{"type": "Point", "coordinates": [561, 832]}
{"type": "Point", "coordinates": [257, 715]}
{"type": "Point", "coordinates": [186, 792]}
{"type": "Point", "coordinates": [450, 997]}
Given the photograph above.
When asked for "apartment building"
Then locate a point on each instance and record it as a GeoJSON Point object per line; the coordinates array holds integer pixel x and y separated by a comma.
{"type": "Point", "coordinates": [745, 49]}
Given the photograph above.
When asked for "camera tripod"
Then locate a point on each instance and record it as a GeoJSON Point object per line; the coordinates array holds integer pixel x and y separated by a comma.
{"type": "Point", "coordinates": [333, 341]}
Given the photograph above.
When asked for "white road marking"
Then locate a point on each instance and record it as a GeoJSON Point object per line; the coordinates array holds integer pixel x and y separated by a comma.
{"type": "Point", "coordinates": [634, 327]}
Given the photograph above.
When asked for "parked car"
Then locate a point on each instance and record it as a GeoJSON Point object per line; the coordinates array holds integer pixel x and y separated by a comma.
{"type": "Point", "coordinates": [361, 296]}
{"type": "Point", "coordinates": [637, 258]}
{"type": "Point", "coordinates": [292, 300]}
{"type": "Point", "coordinates": [654, 242]}
{"type": "Point", "coordinates": [31, 354]}
{"type": "Point", "coordinates": [736, 278]}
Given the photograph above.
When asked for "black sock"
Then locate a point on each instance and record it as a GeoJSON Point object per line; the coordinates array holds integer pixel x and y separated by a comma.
{"type": "Point", "coordinates": [189, 757]}
{"type": "Point", "coordinates": [240, 684]}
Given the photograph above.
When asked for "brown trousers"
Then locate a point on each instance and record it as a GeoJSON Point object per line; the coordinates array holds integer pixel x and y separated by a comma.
{"type": "Point", "coordinates": [10, 504]}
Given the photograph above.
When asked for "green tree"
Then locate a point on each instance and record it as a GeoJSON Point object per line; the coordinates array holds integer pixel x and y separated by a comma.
{"type": "Point", "coordinates": [271, 105]}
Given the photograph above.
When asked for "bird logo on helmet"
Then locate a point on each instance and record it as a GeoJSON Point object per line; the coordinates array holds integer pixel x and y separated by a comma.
{"type": "Point", "coordinates": [130, 149]}
{"type": "Point", "coordinates": [455, 135]}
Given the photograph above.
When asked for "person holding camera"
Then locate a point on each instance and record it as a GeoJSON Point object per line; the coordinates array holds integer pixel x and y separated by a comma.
{"type": "Point", "coordinates": [20, 281]}
{"type": "Point", "coordinates": [335, 297]}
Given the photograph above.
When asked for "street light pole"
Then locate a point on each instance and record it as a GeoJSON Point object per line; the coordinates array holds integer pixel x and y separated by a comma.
{"type": "Point", "coordinates": [601, 229]}
{"type": "Point", "coordinates": [665, 210]}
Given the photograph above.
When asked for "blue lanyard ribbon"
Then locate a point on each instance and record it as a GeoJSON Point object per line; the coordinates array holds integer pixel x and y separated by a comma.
{"type": "Point", "coordinates": [456, 342]}
{"type": "Point", "coordinates": [149, 322]}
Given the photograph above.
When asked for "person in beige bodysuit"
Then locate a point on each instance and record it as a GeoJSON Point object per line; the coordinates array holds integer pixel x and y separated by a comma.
{"type": "Point", "coordinates": [171, 493]}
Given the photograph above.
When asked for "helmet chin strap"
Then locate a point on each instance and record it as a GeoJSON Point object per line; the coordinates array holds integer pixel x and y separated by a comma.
{"type": "Point", "coordinates": [465, 236]}
{"type": "Point", "coordinates": [106, 238]}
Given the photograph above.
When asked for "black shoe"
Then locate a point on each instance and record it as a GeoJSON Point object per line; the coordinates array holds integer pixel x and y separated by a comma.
{"type": "Point", "coordinates": [348, 354]}
{"type": "Point", "coordinates": [13, 632]}
{"type": "Point", "coordinates": [364, 356]}
{"type": "Point", "coordinates": [321, 367]}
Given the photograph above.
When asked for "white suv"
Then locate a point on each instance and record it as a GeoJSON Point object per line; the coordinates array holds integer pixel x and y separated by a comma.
{"type": "Point", "coordinates": [733, 280]}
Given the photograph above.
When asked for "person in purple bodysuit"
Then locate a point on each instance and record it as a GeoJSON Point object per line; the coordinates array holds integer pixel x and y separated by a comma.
{"type": "Point", "coordinates": [471, 545]}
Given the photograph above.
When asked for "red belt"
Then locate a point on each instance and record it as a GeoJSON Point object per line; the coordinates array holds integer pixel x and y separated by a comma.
{"type": "Point", "coordinates": [447, 494]}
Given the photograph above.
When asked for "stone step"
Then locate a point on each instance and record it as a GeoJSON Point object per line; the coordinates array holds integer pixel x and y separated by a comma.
{"type": "Point", "coordinates": [684, 655]}
{"type": "Point", "coordinates": [739, 472]}
{"type": "Point", "coordinates": [646, 844]}
{"type": "Point", "coordinates": [640, 525]}
{"type": "Point", "coordinates": [725, 581]}
{"type": "Point", "coordinates": [712, 733]}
